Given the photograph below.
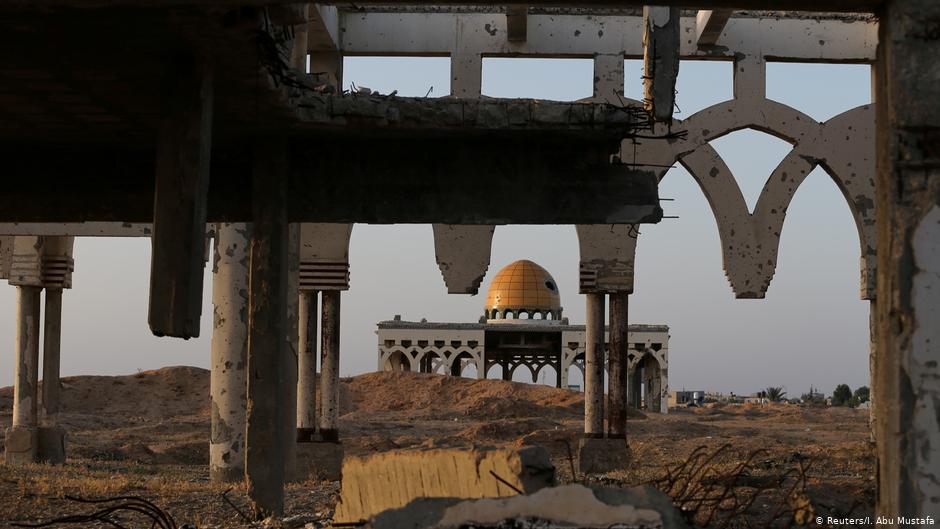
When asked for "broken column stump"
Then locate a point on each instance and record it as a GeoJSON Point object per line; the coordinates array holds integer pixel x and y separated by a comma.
{"type": "Point", "coordinates": [390, 480]}
{"type": "Point", "coordinates": [319, 460]}
{"type": "Point", "coordinates": [599, 456]}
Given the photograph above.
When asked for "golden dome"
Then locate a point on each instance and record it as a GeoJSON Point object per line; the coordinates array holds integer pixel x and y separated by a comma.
{"type": "Point", "coordinates": [523, 286]}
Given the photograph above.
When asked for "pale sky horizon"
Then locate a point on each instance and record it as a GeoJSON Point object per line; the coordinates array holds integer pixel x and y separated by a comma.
{"type": "Point", "coordinates": [811, 330]}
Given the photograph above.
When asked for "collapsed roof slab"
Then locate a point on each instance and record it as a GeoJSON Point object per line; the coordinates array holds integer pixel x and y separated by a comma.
{"type": "Point", "coordinates": [371, 159]}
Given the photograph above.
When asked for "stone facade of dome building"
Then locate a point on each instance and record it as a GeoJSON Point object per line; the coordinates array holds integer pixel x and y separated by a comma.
{"type": "Point", "coordinates": [522, 327]}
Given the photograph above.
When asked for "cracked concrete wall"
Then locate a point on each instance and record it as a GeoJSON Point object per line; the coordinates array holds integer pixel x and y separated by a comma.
{"type": "Point", "coordinates": [228, 380]}
{"type": "Point", "coordinates": [907, 388]}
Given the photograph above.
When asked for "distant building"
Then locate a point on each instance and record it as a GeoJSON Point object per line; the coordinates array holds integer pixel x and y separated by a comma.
{"type": "Point", "coordinates": [686, 398]}
{"type": "Point", "coordinates": [522, 326]}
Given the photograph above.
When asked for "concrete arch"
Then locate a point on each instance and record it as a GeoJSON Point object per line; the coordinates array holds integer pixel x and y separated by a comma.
{"type": "Point", "coordinates": [750, 241]}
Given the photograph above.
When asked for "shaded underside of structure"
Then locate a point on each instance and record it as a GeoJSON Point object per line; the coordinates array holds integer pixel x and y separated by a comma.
{"type": "Point", "coordinates": [81, 118]}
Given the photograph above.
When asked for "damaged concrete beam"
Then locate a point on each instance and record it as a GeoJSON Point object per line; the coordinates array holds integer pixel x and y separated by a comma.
{"type": "Point", "coordinates": [797, 5]}
{"type": "Point", "coordinates": [517, 18]}
{"type": "Point", "coordinates": [463, 255]}
{"type": "Point", "coordinates": [179, 200]}
{"type": "Point", "coordinates": [709, 24]}
{"type": "Point", "coordinates": [660, 60]}
{"type": "Point", "coordinates": [375, 483]}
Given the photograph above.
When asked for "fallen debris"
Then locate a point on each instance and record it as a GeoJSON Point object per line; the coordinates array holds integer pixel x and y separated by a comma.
{"type": "Point", "coordinates": [390, 480]}
{"type": "Point", "coordinates": [569, 507]}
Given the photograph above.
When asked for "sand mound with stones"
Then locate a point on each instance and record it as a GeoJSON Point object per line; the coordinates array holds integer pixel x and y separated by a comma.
{"type": "Point", "coordinates": [424, 396]}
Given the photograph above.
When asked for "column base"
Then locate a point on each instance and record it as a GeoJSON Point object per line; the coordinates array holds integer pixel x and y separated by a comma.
{"type": "Point", "coordinates": [226, 475]}
{"type": "Point", "coordinates": [51, 445]}
{"type": "Point", "coordinates": [319, 460]}
{"type": "Point", "coordinates": [599, 456]}
{"type": "Point", "coordinates": [21, 445]}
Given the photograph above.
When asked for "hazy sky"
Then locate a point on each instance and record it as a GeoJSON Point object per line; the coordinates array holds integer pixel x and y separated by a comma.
{"type": "Point", "coordinates": [811, 330]}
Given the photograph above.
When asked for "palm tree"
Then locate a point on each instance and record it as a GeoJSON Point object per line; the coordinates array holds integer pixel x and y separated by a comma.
{"type": "Point", "coordinates": [775, 393]}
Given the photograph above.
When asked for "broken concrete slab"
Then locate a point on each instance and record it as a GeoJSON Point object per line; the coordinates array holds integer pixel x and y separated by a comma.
{"type": "Point", "coordinates": [596, 507]}
{"type": "Point", "coordinates": [376, 483]}
{"type": "Point", "coordinates": [598, 456]}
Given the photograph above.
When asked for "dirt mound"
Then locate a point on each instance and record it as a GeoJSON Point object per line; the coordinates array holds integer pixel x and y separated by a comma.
{"type": "Point", "coordinates": [165, 393]}
{"type": "Point", "coordinates": [421, 395]}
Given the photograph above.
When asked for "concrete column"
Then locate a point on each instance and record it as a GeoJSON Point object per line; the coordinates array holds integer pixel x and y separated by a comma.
{"type": "Point", "coordinates": [907, 378]}
{"type": "Point", "coordinates": [481, 367]}
{"type": "Point", "coordinates": [565, 367]}
{"type": "Point", "coordinates": [21, 442]}
{"type": "Point", "coordinates": [594, 367]}
{"type": "Point", "coordinates": [307, 367]}
{"type": "Point", "coordinates": [52, 339]}
{"type": "Point", "coordinates": [617, 366]}
{"type": "Point", "coordinates": [872, 363]}
{"type": "Point", "coordinates": [51, 435]}
{"type": "Point", "coordinates": [267, 329]}
{"type": "Point", "coordinates": [228, 380]}
{"type": "Point", "coordinates": [636, 387]}
{"type": "Point", "coordinates": [288, 383]}
{"type": "Point", "coordinates": [466, 74]}
{"type": "Point", "coordinates": [329, 366]}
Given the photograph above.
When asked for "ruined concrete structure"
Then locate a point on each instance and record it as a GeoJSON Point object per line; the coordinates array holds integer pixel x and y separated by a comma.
{"type": "Point", "coordinates": [142, 100]}
{"type": "Point", "coordinates": [522, 327]}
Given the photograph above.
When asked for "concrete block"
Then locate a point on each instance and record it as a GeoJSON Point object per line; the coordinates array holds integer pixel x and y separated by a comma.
{"type": "Point", "coordinates": [597, 456]}
{"type": "Point", "coordinates": [51, 445]}
{"type": "Point", "coordinates": [390, 480]}
{"type": "Point", "coordinates": [322, 461]}
{"type": "Point", "coordinates": [596, 507]}
{"type": "Point", "coordinates": [20, 445]}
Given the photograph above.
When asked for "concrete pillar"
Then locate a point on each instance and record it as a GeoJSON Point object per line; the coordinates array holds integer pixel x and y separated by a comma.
{"type": "Point", "coordinates": [228, 380]}
{"type": "Point", "coordinates": [307, 366]}
{"type": "Point", "coordinates": [636, 386]}
{"type": "Point", "coordinates": [51, 435]}
{"type": "Point", "coordinates": [267, 329]}
{"type": "Point", "coordinates": [565, 367]}
{"type": "Point", "coordinates": [21, 442]}
{"type": "Point", "coordinates": [329, 366]}
{"type": "Point", "coordinates": [872, 363]}
{"type": "Point", "coordinates": [289, 368]}
{"type": "Point", "coordinates": [660, 60]}
{"type": "Point", "coordinates": [466, 74]}
{"type": "Point", "coordinates": [907, 374]}
{"type": "Point", "coordinates": [181, 191]}
{"type": "Point", "coordinates": [52, 339]}
{"type": "Point", "coordinates": [481, 367]}
{"type": "Point", "coordinates": [617, 366]}
{"type": "Point", "coordinates": [594, 367]}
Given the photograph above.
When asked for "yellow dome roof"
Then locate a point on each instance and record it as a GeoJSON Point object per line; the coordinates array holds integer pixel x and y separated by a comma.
{"type": "Point", "coordinates": [523, 285]}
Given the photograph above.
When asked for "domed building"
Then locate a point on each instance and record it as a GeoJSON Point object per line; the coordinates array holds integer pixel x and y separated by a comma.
{"type": "Point", "coordinates": [522, 327]}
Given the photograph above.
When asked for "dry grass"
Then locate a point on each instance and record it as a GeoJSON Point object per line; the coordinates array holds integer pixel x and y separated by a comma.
{"type": "Point", "coordinates": [157, 448]}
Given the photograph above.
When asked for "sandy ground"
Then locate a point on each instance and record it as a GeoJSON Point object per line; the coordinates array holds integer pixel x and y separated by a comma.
{"type": "Point", "coordinates": [147, 434]}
